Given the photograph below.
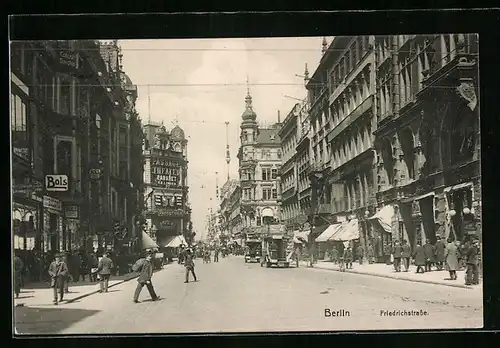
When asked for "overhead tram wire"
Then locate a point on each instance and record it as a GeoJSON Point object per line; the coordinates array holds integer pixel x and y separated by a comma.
{"type": "Point", "coordinates": [318, 84]}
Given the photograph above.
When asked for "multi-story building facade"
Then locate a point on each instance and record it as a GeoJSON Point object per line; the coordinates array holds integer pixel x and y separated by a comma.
{"type": "Point", "coordinates": [230, 198]}
{"type": "Point", "coordinates": [343, 118]}
{"type": "Point", "coordinates": [259, 162]}
{"type": "Point", "coordinates": [168, 213]}
{"type": "Point", "coordinates": [290, 208]}
{"type": "Point", "coordinates": [62, 136]}
{"type": "Point", "coordinates": [428, 147]}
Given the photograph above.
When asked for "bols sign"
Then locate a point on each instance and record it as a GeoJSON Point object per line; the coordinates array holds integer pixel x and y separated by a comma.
{"type": "Point", "coordinates": [165, 173]}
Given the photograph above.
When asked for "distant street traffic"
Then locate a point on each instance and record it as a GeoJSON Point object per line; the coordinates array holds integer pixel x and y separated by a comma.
{"type": "Point", "coordinates": [235, 296]}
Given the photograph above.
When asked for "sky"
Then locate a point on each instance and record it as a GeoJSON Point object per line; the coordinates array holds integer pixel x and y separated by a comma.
{"type": "Point", "coordinates": [201, 84]}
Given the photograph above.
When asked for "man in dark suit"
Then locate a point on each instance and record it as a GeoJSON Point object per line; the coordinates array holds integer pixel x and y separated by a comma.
{"type": "Point", "coordinates": [104, 270]}
{"type": "Point", "coordinates": [406, 254]}
{"type": "Point", "coordinates": [57, 272]}
{"type": "Point", "coordinates": [189, 264]}
{"type": "Point", "coordinates": [145, 268]}
{"type": "Point", "coordinates": [440, 253]}
{"type": "Point", "coordinates": [397, 252]}
{"type": "Point", "coordinates": [429, 255]}
{"type": "Point", "coordinates": [472, 262]}
{"type": "Point", "coordinates": [18, 274]}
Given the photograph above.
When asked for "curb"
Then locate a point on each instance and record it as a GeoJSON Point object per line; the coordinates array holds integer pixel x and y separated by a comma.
{"type": "Point", "coordinates": [97, 291]}
{"type": "Point", "coordinates": [397, 278]}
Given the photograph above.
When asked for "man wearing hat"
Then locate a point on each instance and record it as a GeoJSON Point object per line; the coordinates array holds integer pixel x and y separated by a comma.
{"type": "Point", "coordinates": [472, 262]}
{"type": "Point", "coordinates": [58, 271]}
{"type": "Point", "coordinates": [145, 268]}
{"type": "Point", "coordinates": [189, 264]}
{"type": "Point", "coordinates": [440, 253]}
{"type": "Point", "coordinates": [104, 270]}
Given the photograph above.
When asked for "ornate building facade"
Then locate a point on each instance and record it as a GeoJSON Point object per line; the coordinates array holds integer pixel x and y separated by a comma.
{"type": "Point", "coordinates": [428, 144]}
{"type": "Point", "coordinates": [230, 198]}
{"type": "Point", "coordinates": [260, 159]}
{"type": "Point", "coordinates": [290, 208]}
{"type": "Point", "coordinates": [67, 138]}
{"type": "Point", "coordinates": [166, 193]}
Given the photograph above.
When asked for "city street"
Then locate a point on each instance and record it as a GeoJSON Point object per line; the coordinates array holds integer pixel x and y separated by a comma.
{"type": "Point", "coordinates": [232, 296]}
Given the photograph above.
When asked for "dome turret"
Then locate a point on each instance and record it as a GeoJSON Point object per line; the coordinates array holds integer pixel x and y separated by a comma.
{"type": "Point", "coordinates": [177, 133]}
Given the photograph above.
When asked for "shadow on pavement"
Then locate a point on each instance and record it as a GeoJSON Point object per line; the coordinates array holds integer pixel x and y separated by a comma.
{"type": "Point", "coordinates": [47, 320]}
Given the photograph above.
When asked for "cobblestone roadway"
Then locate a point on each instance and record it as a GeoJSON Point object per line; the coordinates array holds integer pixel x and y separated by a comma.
{"type": "Point", "coordinates": [234, 296]}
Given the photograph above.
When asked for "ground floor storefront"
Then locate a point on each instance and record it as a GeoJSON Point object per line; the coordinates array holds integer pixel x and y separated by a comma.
{"type": "Point", "coordinates": [450, 211]}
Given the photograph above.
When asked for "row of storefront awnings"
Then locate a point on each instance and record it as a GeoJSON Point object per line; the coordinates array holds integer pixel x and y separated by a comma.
{"type": "Point", "coordinates": [349, 230]}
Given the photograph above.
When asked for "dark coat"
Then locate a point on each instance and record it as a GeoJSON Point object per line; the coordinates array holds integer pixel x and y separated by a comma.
{"type": "Point", "coordinates": [397, 251]}
{"type": "Point", "coordinates": [405, 250]}
{"type": "Point", "coordinates": [189, 263]}
{"type": "Point", "coordinates": [429, 251]}
{"type": "Point", "coordinates": [105, 266]}
{"type": "Point", "coordinates": [472, 256]}
{"type": "Point", "coordinates": [440, 250]}
{"type": "Point", "coordinates": [348, 254]}
{"type": "Point", "coordinates": [369, 251]}
{"type": "Point", "coordinates": [419, 255]}
{"type": "Point", "coordinates": [452, 255]}
{"type": "Point", "coordinates": [360, 252]}
{"type": "Point", "coordinates": [146, 271]}
{"type": "Point", "coordinates": [57, 272]}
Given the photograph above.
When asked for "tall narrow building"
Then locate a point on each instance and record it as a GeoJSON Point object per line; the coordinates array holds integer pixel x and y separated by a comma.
{"type": "Point", "coordinates": [259, 158]}
{"type": "Point", "coordinates": [166, 185]}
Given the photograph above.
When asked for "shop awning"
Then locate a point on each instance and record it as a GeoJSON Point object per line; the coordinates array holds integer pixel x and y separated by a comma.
{"type": "Point", "coordinates": [384, 218]}
{"type": "Point", "coordinates": [148, 242]}
{"type": "Point", "coordinates": [176, 242]}
{"type": "Point", "coordinates": [348, 230]}
{"type": "Point", "coordinates": [328, 233]}
{"type": "Point", "coordinates": [318, 230]}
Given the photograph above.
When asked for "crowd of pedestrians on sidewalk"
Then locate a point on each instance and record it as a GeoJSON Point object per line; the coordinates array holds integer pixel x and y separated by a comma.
{"type": "Point", "coordinates": [448, 255]}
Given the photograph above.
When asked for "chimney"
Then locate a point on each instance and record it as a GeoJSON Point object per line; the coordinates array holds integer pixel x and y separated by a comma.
{"type": "Point", "coordinates": [279, 118]}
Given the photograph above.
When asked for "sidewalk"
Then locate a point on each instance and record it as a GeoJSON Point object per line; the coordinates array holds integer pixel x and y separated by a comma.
{"type": "Point", "coordinates": [387, 271]}
{"type": "Point", "coordinates": [41, 295]}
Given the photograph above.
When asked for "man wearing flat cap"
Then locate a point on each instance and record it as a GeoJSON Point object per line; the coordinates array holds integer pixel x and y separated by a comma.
{"type": "Point", "coordinates": [58, 271]}
{"type": "Point", "coordinates": [145, 268]}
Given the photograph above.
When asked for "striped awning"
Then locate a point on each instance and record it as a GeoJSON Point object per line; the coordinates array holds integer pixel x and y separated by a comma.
{"type": "Point", "coordinates": [328, 233]}
{"type": "Point", "coordinates": [347, 231]}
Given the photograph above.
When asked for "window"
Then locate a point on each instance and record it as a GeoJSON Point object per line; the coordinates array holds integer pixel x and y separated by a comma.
{"type": "Point", "coordinates": [19, 127]}
{"type": "Point", "coordinates": [67, 96]}
{"type": "Point", "coordinates": [275, 193]}
{"type": "Point", "coordinates": [274, 173]}
{"type": "Point", "coordinates": [63, 157]}
{"type": "Point", "coordinates": [267, 194]}
{"type": "Point", "coordinates": [266, 174]}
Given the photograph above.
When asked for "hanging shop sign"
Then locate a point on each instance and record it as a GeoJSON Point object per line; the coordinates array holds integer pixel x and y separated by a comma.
{"type": "Point", "coordinates": [71, 211]}
{"type": "Point", "coordinates": [95, 173]}
{"type": "Point", "coordinates": [168, 224]}
{"type": "Point", "coordinates": [52, 204]}
{"type": "Point", "coordinates": [59, 183]}
{"type": "Point", "coordinates": [165, 172]}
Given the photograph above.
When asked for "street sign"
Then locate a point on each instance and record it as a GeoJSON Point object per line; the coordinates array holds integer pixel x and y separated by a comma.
{"type": "Point", "coordinates": [56, 183]}
{"type": "Point", "coordinates": [71, 211]}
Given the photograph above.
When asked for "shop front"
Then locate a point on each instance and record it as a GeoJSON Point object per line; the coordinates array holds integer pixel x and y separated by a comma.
{"type": "Point", "coordinates": [53, 224]}
{"type": "Point", "coordinates": [25, 226]}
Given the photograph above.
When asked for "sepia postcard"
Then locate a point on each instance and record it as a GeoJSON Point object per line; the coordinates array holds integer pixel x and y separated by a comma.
{"type": "Point", "coordinates": [246, 185]}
